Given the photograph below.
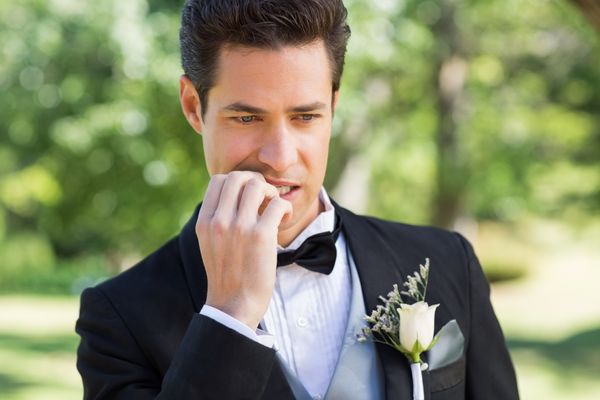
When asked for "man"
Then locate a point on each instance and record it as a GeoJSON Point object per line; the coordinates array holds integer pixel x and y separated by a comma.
{"type": "Point", "coordinates": [209, 315]}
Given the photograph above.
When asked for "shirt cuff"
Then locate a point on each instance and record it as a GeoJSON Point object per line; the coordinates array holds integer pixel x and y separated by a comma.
{"type": "Point", "coordinates": [259, 336]}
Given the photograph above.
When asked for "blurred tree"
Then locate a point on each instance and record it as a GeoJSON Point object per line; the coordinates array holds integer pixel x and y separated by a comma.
{"type": "Point", "coordinates": [96, 156]}
{"type": "Point", "coordinates": [504, 90]}
{"type": "Point", "coordinates": [450, 75]}
{"type": "Point", "coordinates": [591, 10]}
{"type": "Point", "coordinates": [483, 109]}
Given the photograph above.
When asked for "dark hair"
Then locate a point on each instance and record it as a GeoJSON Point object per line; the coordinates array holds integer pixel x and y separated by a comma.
{"type": "Point", "coordinates": [208, 25]}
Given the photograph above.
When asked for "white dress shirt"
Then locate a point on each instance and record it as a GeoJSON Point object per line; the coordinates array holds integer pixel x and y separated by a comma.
{"type": "Point", "coordinates": [308, 313]}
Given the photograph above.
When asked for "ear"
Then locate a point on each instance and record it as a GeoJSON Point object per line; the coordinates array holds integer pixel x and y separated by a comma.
{"type": "Point", "coordinates": [190, 103]}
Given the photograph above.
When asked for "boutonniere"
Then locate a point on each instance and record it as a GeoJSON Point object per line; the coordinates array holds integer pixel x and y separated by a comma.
{"type": "Point", "coordinates": [407, 328]}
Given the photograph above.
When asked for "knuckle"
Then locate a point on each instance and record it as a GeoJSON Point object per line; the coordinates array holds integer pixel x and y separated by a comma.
{"type": "Point", "coordinates": [254, 183]}
{"type": "Point", "coordinates": [216, 178]}
{"type": "Point", "coordinates": [237, 175]}
{"type": "Point", "coordinates": [247, 175]}
{"type": "Point", "coordinates": [259, 176]}
{"type": "Point", "coordinates": [219, 226]}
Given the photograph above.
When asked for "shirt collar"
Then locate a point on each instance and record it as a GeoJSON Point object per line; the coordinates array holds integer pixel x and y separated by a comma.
{"type": "Point", "coordinates": [325, 222]}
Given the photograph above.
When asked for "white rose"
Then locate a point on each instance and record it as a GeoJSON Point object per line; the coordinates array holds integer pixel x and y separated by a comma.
{"type": "Point", "coordinates": [416, 324]}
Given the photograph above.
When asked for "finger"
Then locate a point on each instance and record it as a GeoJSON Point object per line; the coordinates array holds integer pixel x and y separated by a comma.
{"type": "Point", "coordinates": [255, 193]}
{"type": "Point", "coordinates": [211, 196]}
{"type": "Point", "coordinates": [275, 212]}
{"type": "Point", "coordinates": [231, 193]}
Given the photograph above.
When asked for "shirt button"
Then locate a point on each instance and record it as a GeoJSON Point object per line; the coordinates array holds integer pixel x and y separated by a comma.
{"type": "Point", "coordinates": [302, 322]}
{"type": "Point", "coordinates": [318, 397]}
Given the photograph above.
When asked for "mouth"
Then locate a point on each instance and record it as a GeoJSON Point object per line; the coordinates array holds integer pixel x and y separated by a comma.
{"type": "Point", "coordinates": [286, 189]}
{"type": "Point", "coordinates": [287, 192]}
{"type": "Point", "coordinates": [283, 190]}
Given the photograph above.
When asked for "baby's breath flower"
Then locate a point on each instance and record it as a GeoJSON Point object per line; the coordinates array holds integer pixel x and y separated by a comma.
{"type": "Point", "coordinates": [385, 319]}
{"type": "Point", "coordinates": [364, 335]}
{"type": "Point", "coordinates": [424, 271]}
{"type": "Point", "coordinates": [418, 278]}
{"type": "Point", "coordinates": [376, 328]}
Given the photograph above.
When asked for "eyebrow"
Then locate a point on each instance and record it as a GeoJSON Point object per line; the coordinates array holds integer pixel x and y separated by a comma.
{"type": "Point", "coordinates": [247, 108]}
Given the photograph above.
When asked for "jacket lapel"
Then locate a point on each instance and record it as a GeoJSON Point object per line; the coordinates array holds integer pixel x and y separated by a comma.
{"type": "Point", "coordinates": [379, 267]}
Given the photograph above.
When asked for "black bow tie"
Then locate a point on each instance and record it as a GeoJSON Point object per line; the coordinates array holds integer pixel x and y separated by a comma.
{"type": "Point", "coordinates": [317, 253]}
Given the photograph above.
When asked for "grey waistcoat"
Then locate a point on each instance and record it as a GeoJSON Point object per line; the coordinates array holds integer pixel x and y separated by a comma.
{"type": "Point", "coordinates": [358, 374]}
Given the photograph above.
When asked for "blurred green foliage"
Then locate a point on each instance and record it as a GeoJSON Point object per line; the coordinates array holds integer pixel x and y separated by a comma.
{"type": "Point", "coordinates": [95, 156]}
{"type": "Point", "coordinates": [97, 162]}
{"type": "Point", "coordinates": [528, 121]}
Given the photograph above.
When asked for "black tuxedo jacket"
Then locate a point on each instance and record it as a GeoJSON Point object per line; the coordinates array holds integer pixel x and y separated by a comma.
{"type": "Point", "coordinates": [142, 336]}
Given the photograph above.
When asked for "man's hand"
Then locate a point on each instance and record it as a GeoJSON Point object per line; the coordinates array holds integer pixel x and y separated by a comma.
{"type": "Point", "coordinates": [237, 230]}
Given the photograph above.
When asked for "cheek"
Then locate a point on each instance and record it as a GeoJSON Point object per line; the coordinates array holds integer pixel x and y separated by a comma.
{"type": "Point", "coordinates": [225, 152]}
{"type": "Point", "coordinates": [315, 162]}
{"type": "Point", "coordinates": [209, 154]}
{"type": "Point", "coordinates": [318, 155]}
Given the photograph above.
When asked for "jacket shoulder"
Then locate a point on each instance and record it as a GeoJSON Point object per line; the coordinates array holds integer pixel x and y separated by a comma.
{"type": "Point", "coordinates": [153, 286]}
{"type": "Point", "coordinates": [419, 236]}
{"type": "Point", "coordinates": [152, 272]}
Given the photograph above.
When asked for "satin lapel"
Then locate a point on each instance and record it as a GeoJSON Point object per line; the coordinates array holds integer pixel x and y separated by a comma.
{"type": "Point", "coordinates": [278, 388]}
{"type": "Point", "coordinates": [379, 267]}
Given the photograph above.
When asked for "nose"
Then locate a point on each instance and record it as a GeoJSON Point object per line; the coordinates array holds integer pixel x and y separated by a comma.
{"type": "Point", "coordinates": [278, 149]}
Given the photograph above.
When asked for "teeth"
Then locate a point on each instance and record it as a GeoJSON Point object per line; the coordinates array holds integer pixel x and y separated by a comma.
{"type": "Point", "coordinates": [283, 189]}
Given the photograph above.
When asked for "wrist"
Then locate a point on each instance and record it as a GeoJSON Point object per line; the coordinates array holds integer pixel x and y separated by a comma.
{"type": "Point", "coordinates": [238, 312]}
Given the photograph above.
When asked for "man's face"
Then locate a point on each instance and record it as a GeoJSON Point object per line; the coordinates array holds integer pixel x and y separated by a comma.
{"type": "Point", "coordinates": [270, 111]}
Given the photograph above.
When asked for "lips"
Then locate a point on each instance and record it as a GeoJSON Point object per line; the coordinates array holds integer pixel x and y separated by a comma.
{"type": "Point", "coordinates": [283, 187]}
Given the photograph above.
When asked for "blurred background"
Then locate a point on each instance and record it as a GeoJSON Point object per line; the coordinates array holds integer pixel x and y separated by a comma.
{"type": "Point", "coordinates": [481, 116]}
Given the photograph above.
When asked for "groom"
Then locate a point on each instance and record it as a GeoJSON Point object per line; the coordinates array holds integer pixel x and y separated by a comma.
{"type": "Point", "coordinates": [262, 293]}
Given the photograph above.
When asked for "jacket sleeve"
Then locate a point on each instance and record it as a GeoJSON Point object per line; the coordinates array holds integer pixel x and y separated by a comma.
{"type": "Point", "coordinates": [211, 362]}
{"type": "Point", "coordinates": [490, 372]}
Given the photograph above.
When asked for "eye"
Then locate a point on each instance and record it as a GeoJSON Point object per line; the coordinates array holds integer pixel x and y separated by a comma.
{"type": "Point", "coordinates": [246, 119]}
{"type": "Point", "coordinates": [307, 117]}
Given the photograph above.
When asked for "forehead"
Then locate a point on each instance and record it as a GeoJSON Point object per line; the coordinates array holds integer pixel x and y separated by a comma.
{"type": "Point", "coordinates": [254, 74]}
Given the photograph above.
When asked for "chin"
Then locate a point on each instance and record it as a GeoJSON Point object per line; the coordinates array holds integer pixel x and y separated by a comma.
{"type": "Point", "coordinates": [285, 225]}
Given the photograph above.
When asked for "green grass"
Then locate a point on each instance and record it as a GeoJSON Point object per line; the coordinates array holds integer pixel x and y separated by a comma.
{"type": "Point", "coordinates": [37, 348]}
{"type": "Point", "coordinates": [551, 316]}
{"type": "Point", "coordinates": [563, 369]}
